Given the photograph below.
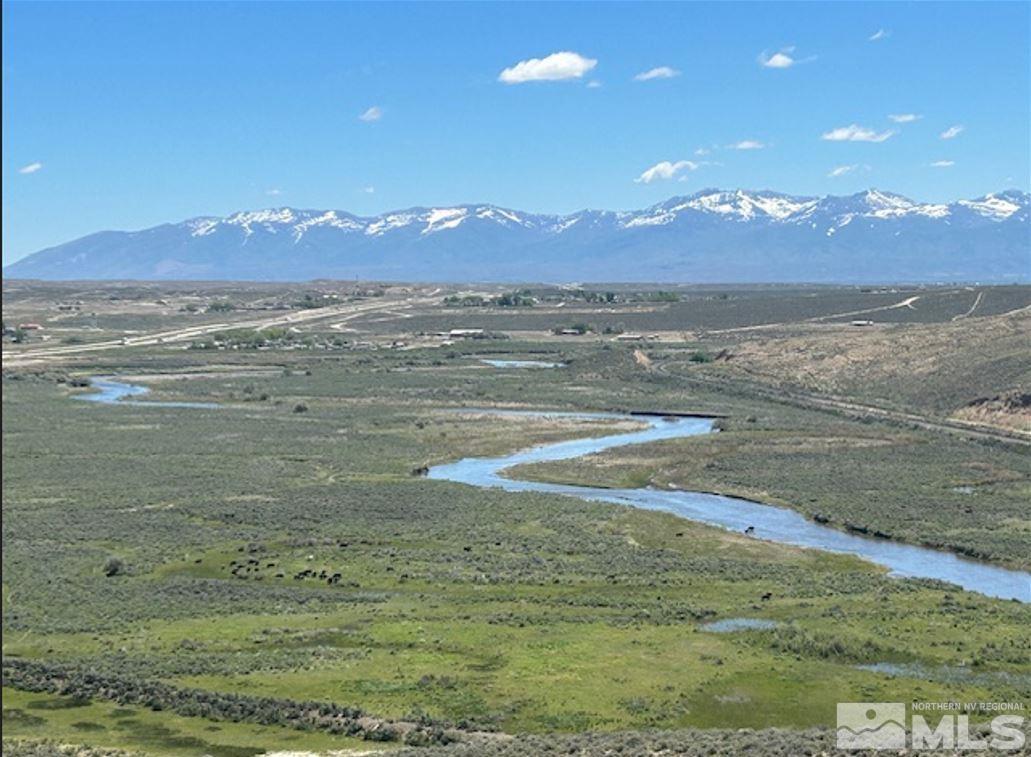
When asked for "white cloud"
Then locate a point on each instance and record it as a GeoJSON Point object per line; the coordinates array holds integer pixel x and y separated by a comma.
{"type": "Point", "coordinates": [555, 67]}
{"type": "Point", "coordinates": [30, 168]}
{"type": "Point", "coordinates": [943, 164]}
{"type": "Point", "coordinates": [375, 113]}
{"type": "Point", "coordinates": [593, 84]}
{"type": "Point", "coordinates": [879, 35]}
{"type": "Point", "coordinates": [369, 190]}
{"type": "Point", "coordinates": [662, 72]}
{"type": "Point", "coordinates": [777, 60]}
{"type": "Point", "coordinates": [856, 133]}
{"type": "Point", "coordinates": [783, 58]}
{"type": "Point", "coordinates": [702, 151]}
{"type": "Point", "coordinates": [905, 118]}
{"type": "Point", "coordinates": [952, 132]}
{"type": "Point", "coordinates": [666, 170]}
{"type": "Point", "coordinates": [273, 192]}
{"type": "Point", "coordinates": [842, 170]}
{"type": "Point", "coordinates": [746, 144]}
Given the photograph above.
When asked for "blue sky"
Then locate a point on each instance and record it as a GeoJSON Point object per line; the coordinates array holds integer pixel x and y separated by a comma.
{"type": "Point", "coordinates": [126, 115]}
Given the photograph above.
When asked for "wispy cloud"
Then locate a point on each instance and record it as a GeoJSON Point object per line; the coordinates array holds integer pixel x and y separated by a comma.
{"type": "Point", "coordinates": [905, 118]}
{"type": "Point", "coordinates": [856, 133]}
{"type": "Point", "coordinates": [555, 67]}
{"type": "Point", "coordinates": [273, 192]}
{"type": "Point", "coordinates": [667, 170]}
{"type": "Point", "coordinates": [30, 168]}
{"type": "Point", "coordinates": [702, 151]}
{"type": "Point", "coordinates": [662, 72]}
{"type": "Point", "coordinates": [369, 190]}
{"type": "Point", "coordinates": [593, 84]}
{"type": "Point", "coordinates": [842, 170]}
{"type": "Point", "coordinates": [879, 35]}
{"type": "Point", "coordinates": [746, 144]}
{"type": "Point", "coordinates": [943, 164]}
{"type": "Point", "coordinates": [375, 113]}
{"type": "Point", "coordinates": [952, 132]}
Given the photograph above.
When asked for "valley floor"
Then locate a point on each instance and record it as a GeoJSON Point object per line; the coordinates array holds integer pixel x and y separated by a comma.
{"type": "Point", "coordinates": [274, 574]}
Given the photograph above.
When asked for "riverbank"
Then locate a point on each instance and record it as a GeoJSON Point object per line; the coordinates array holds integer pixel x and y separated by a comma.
{"type": "Point", "coordinates": [758, 520]}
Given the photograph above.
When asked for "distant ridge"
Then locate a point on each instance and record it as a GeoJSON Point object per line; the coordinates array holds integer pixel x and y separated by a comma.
{"type": "Point", "coordinates": [711, 236]}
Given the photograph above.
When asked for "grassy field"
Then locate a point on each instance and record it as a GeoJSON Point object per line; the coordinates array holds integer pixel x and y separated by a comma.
{"type": "Point", "coordinates": [67, 720]}
{"type": "Point", "coordinates": [282, 548]}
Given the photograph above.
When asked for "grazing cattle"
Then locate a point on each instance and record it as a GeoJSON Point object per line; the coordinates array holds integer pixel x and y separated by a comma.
{"type": "Point", "coordinates": [750, 530]}
{"type": "Point", "coordinates": [767, 596]}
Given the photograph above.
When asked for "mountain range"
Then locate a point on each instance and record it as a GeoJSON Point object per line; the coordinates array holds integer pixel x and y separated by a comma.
{"type": "Point", "coordinates": [710, 236]}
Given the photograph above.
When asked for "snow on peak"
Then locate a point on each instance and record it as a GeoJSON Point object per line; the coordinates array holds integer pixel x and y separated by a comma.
{"type": "Point", "coordinates": [888, 205]}
{"type": "Point", "coordinates": [738, 205]}
{"type": "Point", "coordinates": [502, 216]}
{"type": "Point", "coordinates": [329, 218]}
{"type": "Point", "coordinates": [657, 216]}
{"type": "Point", "coordinates": [992, 206]}
{"type": "Point", "coordinates": [721, 203]}
{"type": "Point", "coordinates": [564, 223]}
{"type": "Point", "coordinates": [385, 223]}
{"type": "Point", "coordinates": [779, 207]}
{"type": "Point", "coordinates": [201, 227]}
{"type": "Point", "coordinates": [742, 206]}
{"type": "Point", "coordinates": [268, 216]}
{"type": "Point", "coordinates": [748, 205]}
{"type": "Point", "coordinates": [442, 219]}
{"type": "Point", "coordinates": [439, 219]}
{"type": "Point", "coordinates": [268, 219]}
{"type": "Point", "coordinates": [877, 199]}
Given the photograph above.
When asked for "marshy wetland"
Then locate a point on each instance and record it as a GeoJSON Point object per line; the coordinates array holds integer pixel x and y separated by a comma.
{"type": "Point", "coordinates": [191, 577]}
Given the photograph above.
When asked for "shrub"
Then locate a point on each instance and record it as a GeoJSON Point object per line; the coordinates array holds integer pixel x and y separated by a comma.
{"type": "Point", "coordinates": [113, 566]}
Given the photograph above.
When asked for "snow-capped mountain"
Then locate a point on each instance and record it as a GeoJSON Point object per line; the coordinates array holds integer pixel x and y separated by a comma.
{"type": "Point", "coordinates": [712, 235]}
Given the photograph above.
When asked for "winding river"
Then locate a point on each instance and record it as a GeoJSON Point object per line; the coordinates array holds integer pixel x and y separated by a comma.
{"type": "Point", "coordinates": [769, 522]}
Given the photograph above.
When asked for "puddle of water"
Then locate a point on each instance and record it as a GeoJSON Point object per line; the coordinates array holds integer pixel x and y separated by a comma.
{"type": "Point", "coordinates": [522, 364]}
{"type": "Point", "coordinates": [766, 521]}
{"type": "Point", "coordinates": [729, 625]}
